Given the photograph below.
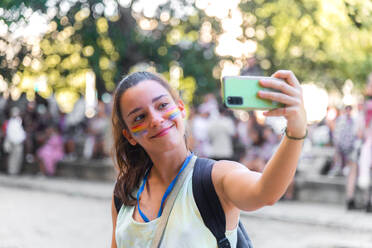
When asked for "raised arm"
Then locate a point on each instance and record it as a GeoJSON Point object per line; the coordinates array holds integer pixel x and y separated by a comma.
{"type": "Point", "coordinates": [249, 190]}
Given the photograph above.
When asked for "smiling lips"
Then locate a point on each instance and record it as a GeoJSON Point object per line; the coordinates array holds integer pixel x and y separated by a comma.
{"type": "Point", "coordinates": [162, 132]}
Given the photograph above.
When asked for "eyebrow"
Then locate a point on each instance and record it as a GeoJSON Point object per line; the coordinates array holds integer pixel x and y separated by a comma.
{"type": "Point", "coordinates": [139, 108]}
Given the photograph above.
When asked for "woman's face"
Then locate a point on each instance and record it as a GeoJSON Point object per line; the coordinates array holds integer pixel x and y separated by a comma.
{"type": "Point", "coordinates": [154, 119]}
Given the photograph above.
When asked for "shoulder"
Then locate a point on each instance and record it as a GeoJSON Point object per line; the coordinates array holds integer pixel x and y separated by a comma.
{"type": "Point", "coordinates": [220, 174]}
{"type": "Point", "coordinates": [222, 165]}
{"type": "Point", "coordinates": [233, 182]}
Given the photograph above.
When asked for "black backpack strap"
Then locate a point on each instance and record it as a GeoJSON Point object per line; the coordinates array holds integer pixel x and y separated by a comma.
{"type": "Point", "coordinates": [207, 201]}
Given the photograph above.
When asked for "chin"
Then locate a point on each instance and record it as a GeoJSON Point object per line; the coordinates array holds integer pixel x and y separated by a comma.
{"type": "Point", "coordinates": [168, 144]}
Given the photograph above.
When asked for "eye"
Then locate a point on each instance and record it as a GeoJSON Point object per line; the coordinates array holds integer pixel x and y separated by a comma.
{"type": "Point", "coordinates": [139, 117]}
{"type": "Point", "coordinates": [163, 105]}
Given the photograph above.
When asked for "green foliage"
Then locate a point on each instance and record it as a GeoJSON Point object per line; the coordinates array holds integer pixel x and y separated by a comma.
{"type": "Point", "coordinates": [321, 41]}
{"type": "Point", "coordinates": [84, 39]}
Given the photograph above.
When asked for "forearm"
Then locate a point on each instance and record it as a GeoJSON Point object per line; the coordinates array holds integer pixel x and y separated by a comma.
{"type": "Point", "coordinates": [280, 170]}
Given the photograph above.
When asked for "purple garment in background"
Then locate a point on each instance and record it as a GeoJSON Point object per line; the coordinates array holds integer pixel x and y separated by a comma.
{"type": "Point", "coordinates": [51, 152]}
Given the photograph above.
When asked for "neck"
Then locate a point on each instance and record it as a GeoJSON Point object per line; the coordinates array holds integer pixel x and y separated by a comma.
{"type": "Point", "coordinates": [166, 165]}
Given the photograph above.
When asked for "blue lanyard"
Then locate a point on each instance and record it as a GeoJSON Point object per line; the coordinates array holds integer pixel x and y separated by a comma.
{"type": "Point", "coordinates": [169, 189]}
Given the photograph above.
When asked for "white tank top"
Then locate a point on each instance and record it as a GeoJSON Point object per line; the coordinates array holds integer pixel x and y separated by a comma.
{"type": "Point", "coordinates": [185, 226]}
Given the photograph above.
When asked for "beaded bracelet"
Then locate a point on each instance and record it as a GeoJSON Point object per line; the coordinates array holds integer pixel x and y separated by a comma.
{"type": "Point", "coordinates": [294, 138]}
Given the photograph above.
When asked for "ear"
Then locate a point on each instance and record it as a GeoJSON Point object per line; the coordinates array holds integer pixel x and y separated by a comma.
{"type": "Point", "coordinates": [129, 137]}
{"type": "Point", "coordinates": [181, 107]}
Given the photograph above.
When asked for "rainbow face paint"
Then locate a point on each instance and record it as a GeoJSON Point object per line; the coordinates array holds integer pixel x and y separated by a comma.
{"type": "Point", "coordinates": [172, 113]}
{"type": "Point", "coordinates": [139, 130]}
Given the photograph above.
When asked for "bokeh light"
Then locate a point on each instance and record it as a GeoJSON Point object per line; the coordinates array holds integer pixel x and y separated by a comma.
{"type": "Point", "coordinates": [316, 102]}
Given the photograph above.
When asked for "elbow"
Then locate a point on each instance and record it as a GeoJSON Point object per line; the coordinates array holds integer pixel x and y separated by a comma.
{"type": "Point", "coordinates": [258, 204]}
{"type": "Point", "coordinates": [271, 201]}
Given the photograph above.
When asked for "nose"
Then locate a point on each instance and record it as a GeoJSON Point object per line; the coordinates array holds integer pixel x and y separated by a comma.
{"type": "Point", "coordinates": [156, 118]}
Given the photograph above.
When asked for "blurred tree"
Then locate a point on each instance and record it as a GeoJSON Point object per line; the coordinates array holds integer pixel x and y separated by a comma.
{"type": "Point", "coordinates": [191, 42]}
{"type": "Point", "coordinates": [321, 41]}
{"type": "Point", "coordinates": [110, 38]}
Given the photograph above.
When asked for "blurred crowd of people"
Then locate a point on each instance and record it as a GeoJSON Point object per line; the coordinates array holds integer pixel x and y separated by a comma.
{"type": "Point", "coordinates": [217, 133]}
{"type": "Point", "coordinates": [38, 132]}
{"type": "Point", "coordinates": [349, 132]}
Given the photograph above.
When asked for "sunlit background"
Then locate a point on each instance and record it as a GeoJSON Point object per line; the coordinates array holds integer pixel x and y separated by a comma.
{"type": "Point", "coordinates": [73, 49]}
{"type": "Point", "coordinates": [60, 61]}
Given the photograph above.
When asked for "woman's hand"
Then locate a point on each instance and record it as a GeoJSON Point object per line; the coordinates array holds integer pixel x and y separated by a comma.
{"type": "Point", "coordinates": [291, 95]}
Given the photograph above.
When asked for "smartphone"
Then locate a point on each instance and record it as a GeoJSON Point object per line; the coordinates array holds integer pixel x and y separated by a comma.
{"type": "Point", "coordinates": [240, 92]}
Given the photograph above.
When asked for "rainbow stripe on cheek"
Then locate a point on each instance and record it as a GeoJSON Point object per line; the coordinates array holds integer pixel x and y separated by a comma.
{"type": "Point", "coordinates": [139, 130]}
{"type": "Point", "coordinates": [172, 113]}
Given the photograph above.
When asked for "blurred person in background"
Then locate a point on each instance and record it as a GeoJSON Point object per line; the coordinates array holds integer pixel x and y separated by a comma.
{"type": "Point", "coordinates": [330, 121]}
{"type": "Point", "coordinates": [320, 133]}
{"type": "Point", "coordinates": [74, 131]}
{"type": "Point", "coordinates": [347, 144]}
{"type": "Point", "coordinates": [94, 146]}
{"type": "Point", "coordinates": [199, 131]}
{"type": "Point", "coordinates": [251, 68]}
{"type": "Point", "coordinates": [242, 132]}
{"type": "Point", "coordinates": [353, 165]}
{"type": "Point", "coordinates": [51, 150]}
{"type": "Point", "coordinates": [15, 135]}
{"type": "Point", "coordinates": [344, 137]}
{"type": "Point", "coordinates": [240, 139]}
{"type": "Point", "coordinates": [270, 136]}
{"type": "Point", "coordinates": [259, 151]}
{"type": "Point", "coordinates": [67, 136]}
{"type": "Point", "coordinates": [30, 123]}
{"type": "Point", "coordinates": [210, 105]}
{"type": "Point", "coordinates": [220, 134]}
{"type": "Point", "coordinates": [365, 159]}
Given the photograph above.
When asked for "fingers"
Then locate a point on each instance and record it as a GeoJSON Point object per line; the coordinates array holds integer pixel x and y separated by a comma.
{"type": "Point", "coordinates": [280, 85]}
{"type": "Point", "coordinates": [279, 97]}
{"type": "Point", "coordinates": [288, 76]}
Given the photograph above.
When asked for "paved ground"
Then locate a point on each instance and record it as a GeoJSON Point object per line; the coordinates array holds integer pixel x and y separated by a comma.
{"type": "Point", "coordinates": [40, 212]}
{"type": "Point", "coordinates": [35, 219]}
{"type": "Point", "coordinates": [299, 225]}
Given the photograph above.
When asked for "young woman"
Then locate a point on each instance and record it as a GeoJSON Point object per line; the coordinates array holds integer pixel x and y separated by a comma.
{"type": "Point", "coordinates": [151, 148]}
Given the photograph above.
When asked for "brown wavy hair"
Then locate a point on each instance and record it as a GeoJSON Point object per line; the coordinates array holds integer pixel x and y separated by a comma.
{"type": "Point", "coordinates": [132, 161]}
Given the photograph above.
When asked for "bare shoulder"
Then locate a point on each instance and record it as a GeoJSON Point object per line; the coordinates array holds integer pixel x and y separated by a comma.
{"type": "Point", "coordinates": [220, 172]}
{"type": "Point", "coordinates": [224, 167]}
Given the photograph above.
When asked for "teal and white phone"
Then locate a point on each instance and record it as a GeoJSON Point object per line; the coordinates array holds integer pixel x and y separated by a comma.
{"type": "Point", "coordinates": [240, 92]}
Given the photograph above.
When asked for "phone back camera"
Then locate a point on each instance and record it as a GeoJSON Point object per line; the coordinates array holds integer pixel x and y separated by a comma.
{"type": "Point", "coordinates": [235, 100]}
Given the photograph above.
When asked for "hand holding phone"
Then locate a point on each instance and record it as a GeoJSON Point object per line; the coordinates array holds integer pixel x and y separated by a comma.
{"type": "Point", "coordinates": [240, 92]}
